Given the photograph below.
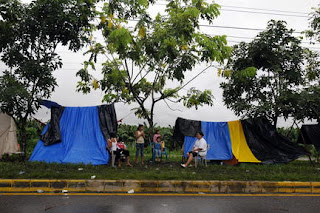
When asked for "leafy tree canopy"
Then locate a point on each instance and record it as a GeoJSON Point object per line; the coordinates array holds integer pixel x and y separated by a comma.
{"type": "Point", "coordinates": [266, 76]}
{"type": "Point", "coordinates": [143, 53]}
{"type": "Point", "coordinates": [29, 36]}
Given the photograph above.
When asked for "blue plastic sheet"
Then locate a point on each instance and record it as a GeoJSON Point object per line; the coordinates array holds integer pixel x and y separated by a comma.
{"type": "Point", "coordinates": [188, 144]}
{"type": "Point", "coordinates": [82, 139]}
{"type": "Point", "coordinates": [218, 137]}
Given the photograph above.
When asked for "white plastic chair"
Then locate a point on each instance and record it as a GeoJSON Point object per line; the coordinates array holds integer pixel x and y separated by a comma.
{"type": "Point", "coordinates": [113, 157]}
{"type": "Point", "coordinates": [201, 159]}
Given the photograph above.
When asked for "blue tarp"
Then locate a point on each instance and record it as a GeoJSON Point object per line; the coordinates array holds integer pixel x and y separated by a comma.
{"type": "Point", "coordinates": [217, 136]}
{"type": "Point", "coordinates": [82, 139]}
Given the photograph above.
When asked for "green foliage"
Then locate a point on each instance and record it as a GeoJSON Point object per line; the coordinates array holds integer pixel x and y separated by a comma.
{"type": "Point", "coordinates": [142, 59]}
{"type": "Point", "coordinates": [29, 36]}
{"type": "Point", "coordinates": [314, 26]}
{"type": "Point", "coordinates": [291, 133]}
{"type": "Point", "coordinates": [197, 98]}
{"type": "Point", "coordinates": [268, 74]}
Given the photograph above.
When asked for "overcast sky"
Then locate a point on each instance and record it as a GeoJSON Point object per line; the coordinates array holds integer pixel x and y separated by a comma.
{"type": "Point", "coordinates": [66, 95]}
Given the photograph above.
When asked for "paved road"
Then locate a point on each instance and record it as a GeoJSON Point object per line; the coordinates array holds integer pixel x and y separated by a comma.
{"type": "Point", "coordinates": [154, 204]}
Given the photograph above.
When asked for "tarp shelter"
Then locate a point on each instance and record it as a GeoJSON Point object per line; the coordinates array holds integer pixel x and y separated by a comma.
{"type": "Point", "coordinates": [250, 140]}
{"type": "Point", "coordinates": [218, 138]}
{"type": "Point", "coordinates": [310, 134]}
{"type": "Point", "coordinates": [267, 144]}
{"type": "Point", "coordinates": [77, 135]}
{"type": "Point", "coordinates": [240, 148]}
{"type": "Point", "coordinates": [8, 135]}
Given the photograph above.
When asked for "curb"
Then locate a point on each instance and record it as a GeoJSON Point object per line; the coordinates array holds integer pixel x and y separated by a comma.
{"type": "Point", "coordinates": [156, 186]}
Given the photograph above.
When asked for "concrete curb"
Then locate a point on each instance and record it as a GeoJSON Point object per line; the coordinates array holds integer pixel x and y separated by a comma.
{"type": "Point", "coordinates": [156, 186]}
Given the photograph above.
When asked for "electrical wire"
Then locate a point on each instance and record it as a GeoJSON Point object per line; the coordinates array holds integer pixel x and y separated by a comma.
{"type": "Point", "coordinates": [262, 9]}
{"type": "Point", "coordinates": [264, 13]}
{"type": "Point", "coordinates": [257, 11]}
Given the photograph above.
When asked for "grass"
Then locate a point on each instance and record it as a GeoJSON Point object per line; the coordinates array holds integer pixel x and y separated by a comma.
{"type": "Point", "coordinates": [171, 170]}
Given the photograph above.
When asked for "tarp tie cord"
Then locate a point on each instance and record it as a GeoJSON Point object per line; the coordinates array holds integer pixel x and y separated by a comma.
{"type": "Point", "coordinates": [43, 124]}
{"type": "Point", "coordinates": [120, 121]}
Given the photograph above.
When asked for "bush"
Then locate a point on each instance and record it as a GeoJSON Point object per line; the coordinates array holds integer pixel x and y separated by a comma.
{"type": "Point", "coordinates": [291, 133]}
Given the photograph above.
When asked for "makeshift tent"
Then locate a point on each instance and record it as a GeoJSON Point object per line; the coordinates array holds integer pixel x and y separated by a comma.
{"type": "Point", "coordinates": [8, 135]}
{"type": "Point", "coordinates": [218, 138]}
{"type": "Point", "coordinates": [240, 148]}
{"type": "Point", "coordinates": [251, 140]}
{"type": "Point", "coordinates": [77, 135]}
{"type": "Point", "coordinates": [310, 134]}
{"type": "Point", "coordinates": [268, 145]}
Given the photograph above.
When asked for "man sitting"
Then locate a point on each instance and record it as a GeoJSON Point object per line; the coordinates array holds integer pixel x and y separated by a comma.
{"type": "Point", "coordinates": [199, 149]}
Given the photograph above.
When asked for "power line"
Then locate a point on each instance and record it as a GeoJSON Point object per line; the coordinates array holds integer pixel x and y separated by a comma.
{"type": "Point", "coordinates": [251, 38]}
{"type": "Point", "coordinates": [237, 28]}
{"type": "Point", "coordinates": [259, 11]}
{"type": "Point", "coordinates": [262, 9]}
{"type": "Point", "coordinates": [227, 27]}
{"type": "Point", "coordinates": [253, 8]}
{"type": "Point", "coordinates": [264, 13]}
{"type": "Point", "coordinates": [238, 42]}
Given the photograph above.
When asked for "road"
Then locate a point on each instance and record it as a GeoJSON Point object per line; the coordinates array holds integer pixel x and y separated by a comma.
{"type": "Point", "coordinates": [154, 204]}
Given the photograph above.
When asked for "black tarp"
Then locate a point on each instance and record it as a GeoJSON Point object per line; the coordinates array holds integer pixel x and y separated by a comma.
{"type": "Point", "coordinates": [49, 104]}
{"type": "Point", "coordinates": [267, 145]}
{"type": "Point", "coordinates": [310, 134]}
{"type": "Point", "coordinates": [53, 134]}
{"type": "Point", "coordinates": [108, 120]}
{"type": "Point", "coordinates": [185, 127]}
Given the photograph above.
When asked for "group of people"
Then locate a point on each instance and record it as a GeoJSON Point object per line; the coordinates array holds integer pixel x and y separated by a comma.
{"type": "Point", "coordinates": [117, 147]}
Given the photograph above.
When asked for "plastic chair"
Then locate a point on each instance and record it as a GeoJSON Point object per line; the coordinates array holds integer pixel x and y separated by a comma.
{"type": "Point", "coordinates": [113, 157]}
{"type": "Point", "coordinates": [164, 152]}
{"type": "Point", "coordinates": [201, 159]}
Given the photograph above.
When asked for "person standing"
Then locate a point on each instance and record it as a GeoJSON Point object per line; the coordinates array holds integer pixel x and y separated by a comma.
{"type": "Point", "coordinates": [140, 136]}
{"type": "Point", "coordinates": [199, 149]}
{"type": "Point", "coordinates": [155, 136]}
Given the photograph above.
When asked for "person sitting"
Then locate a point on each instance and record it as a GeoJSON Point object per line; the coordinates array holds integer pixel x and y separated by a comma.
{"type": "Point", "coordinates": [199, 149]}
{"type": "Point", "coordinates": [158, 148]}
{"type": "Point", "coordinates": [122, 151]}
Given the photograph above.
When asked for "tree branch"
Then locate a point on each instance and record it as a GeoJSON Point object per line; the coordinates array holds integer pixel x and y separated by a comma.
{"type": "Point", "coordinates": [170, 107]}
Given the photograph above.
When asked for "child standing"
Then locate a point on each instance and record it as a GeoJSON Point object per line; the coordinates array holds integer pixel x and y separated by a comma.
{"type": "Point", "coordinates": [158, 148]}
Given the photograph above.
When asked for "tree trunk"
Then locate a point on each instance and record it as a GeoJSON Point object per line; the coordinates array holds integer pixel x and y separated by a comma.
{"type": "Point", "coordinates": [151, 129]}
{"type": "Point", "coordinates": [23, 134]}
{"type": "Point", "coordinates": [275, 121]}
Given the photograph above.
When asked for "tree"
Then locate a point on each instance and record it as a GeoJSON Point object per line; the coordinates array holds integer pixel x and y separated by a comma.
{"type": "Point", "coordinates": [314, 26]}
{"type": "Point", "coordinates": [29, 36]}
{"type": "Point", "coordinates": [140, 61]}
{"type": "Point", "coordinates": [309, 102]}
{"type": "Point", "coordinates": [265, 76]}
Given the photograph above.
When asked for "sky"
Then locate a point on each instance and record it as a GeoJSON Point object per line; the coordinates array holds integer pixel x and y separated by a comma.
{"type": "Point", "coordinates": [66, 95]}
